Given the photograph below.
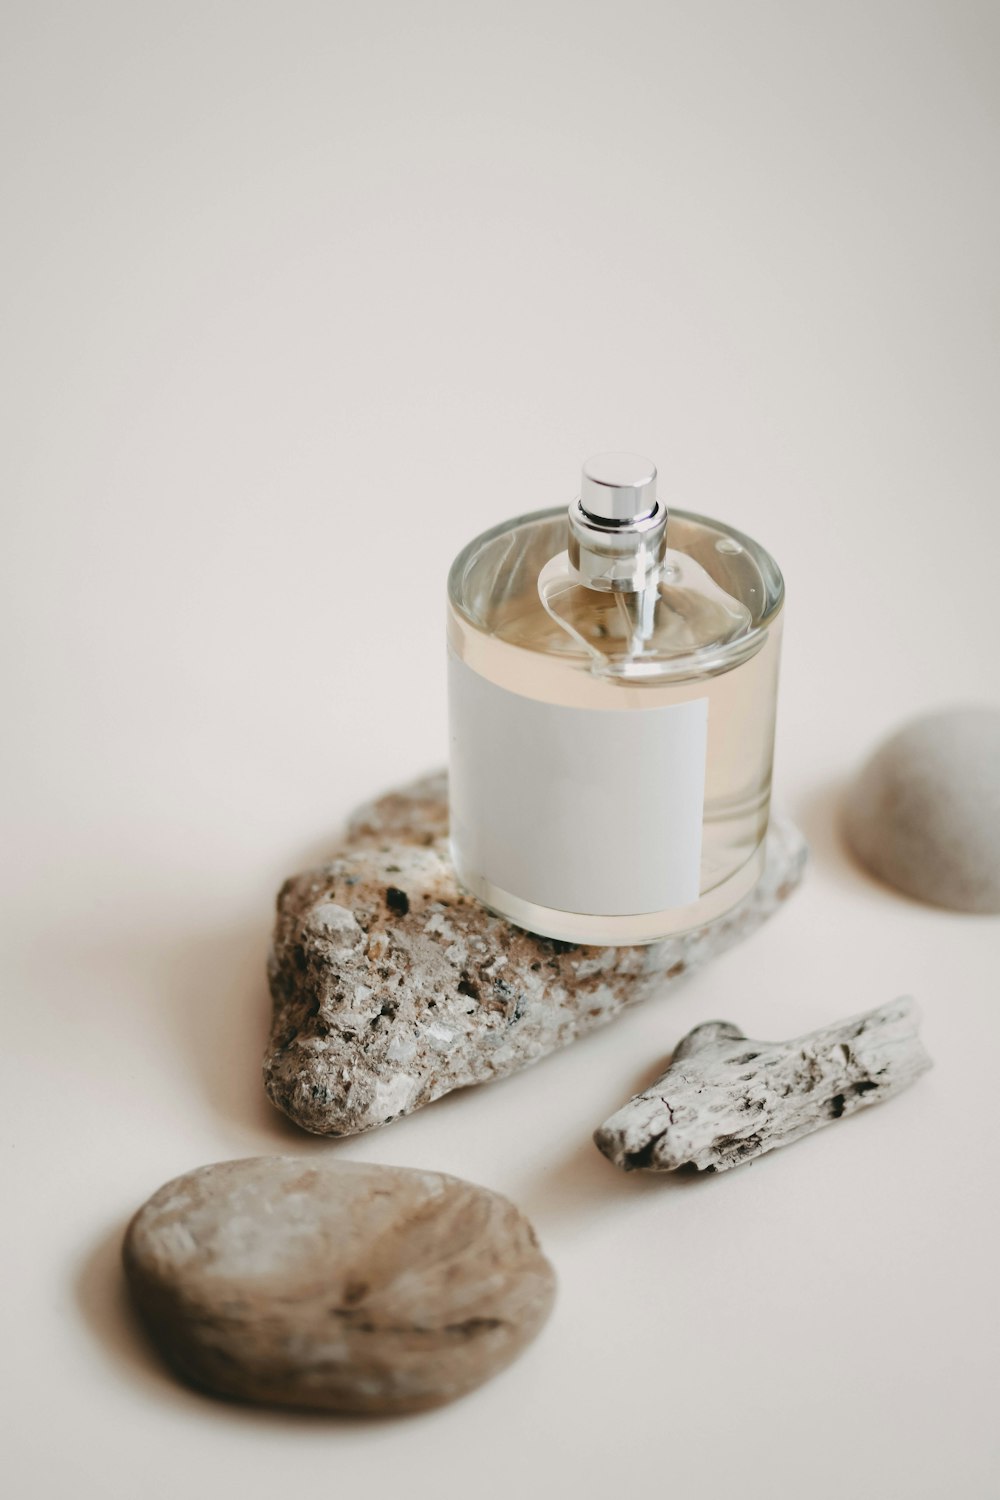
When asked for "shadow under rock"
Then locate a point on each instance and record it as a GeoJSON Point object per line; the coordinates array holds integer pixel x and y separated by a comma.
{"type": "Point", "coordinates": [819, 814]}
{"type": "Point", "coordinates": [214, 1000]}
{"type": "Point", "coordinates": [205, 998]}
{"type": "Point", "coordinates": [584, 1183]}
{"type": "Point", "coordinates": [468, 1095]}
{"type": "Point", "coordinates": [104, 1305]}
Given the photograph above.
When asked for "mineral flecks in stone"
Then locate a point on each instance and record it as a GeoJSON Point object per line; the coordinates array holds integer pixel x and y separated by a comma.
{"type": "Point", "coordinates": [725, 1099]}
{"type": "Point", "coordinates": [391, 987]}
{"type": "Point", "coordinates": [924, 812]}
{"type": "Point", "coordinates": [335, 1286]}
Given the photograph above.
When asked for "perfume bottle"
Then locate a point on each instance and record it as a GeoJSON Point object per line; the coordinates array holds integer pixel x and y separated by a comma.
{"type": "Point", "coordinates": [612, 683]}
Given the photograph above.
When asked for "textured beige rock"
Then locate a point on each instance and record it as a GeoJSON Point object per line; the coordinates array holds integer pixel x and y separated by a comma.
{"type": "Point", "coordinates": [391, 987]}
{"type": "Point", "coordinates": [335, 1286]}
{"type": "Point", "coordinates": [924, 812]}
{"type": "Point", "coordinates": [725, 1099]}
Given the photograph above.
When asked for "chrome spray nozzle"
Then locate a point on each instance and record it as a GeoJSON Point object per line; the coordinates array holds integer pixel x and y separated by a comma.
{"type": "Point", "coordinates": [617, 528]}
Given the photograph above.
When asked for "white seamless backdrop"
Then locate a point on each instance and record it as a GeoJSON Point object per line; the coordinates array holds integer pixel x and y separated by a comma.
{"type": "Point", "coordinates": [298, 297]}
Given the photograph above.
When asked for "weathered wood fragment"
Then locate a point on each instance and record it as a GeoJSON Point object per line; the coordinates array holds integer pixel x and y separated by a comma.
{"type": "Point", "coordinates": [725, 1099]}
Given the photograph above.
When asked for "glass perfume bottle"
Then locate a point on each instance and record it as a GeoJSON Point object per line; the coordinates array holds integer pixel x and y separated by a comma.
{"type": "Point", "coordinates": [612, 690]}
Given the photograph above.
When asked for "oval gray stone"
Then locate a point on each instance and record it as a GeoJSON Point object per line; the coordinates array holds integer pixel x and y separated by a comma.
{"type": "Point", "coordinates": [335, 1286]}
{"type": "Point", "coordinates": [924, 812]}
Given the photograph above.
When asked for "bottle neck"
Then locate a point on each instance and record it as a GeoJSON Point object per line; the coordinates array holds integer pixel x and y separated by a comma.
{"type": "Point", "coordinates": [617, 556]}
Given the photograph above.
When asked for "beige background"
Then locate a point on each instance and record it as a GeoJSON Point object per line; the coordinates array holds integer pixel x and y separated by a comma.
{"type": "Point", "coordinates": [297, 298]}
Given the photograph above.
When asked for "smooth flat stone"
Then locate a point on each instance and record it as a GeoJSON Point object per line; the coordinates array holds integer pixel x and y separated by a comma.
{"type": "Point", "coordinates": [391, 987]}
{"type": "Point", "coordinates": [924, 813]}
{"type": "Point", "coordinates": [335, 1286]}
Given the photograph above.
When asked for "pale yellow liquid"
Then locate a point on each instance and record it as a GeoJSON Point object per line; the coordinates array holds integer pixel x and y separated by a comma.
{"type": "Point", "coordinates": [528, 652]}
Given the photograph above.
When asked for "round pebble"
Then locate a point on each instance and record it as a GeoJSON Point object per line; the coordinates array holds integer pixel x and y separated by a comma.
{"type": "Point", "coordinates": [924, 812]}
{"type": "Point", "coordinates": [339, 1287]}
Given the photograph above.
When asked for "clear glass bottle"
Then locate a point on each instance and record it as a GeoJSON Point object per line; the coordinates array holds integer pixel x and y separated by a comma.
{"type": "Point", "coordinates": [612, 691]}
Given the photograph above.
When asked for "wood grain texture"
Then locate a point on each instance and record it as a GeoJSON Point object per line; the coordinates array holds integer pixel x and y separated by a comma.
{"type": "Point", "coordinates": [725, 1099]}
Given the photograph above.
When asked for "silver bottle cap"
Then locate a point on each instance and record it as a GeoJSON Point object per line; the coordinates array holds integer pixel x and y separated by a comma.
{"type": "Point", "coordinates": [618, 487]}
{"type": "Point", "coordinates": [617, 528]}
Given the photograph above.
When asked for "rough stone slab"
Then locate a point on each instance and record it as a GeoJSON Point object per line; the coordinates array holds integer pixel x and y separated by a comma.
{"type": "Point", "coordinates": [725, 1099]}
{"type": "Point", "coordinates": [391, 987]}
{"type": "Point", "coordinates": [335, 1286]}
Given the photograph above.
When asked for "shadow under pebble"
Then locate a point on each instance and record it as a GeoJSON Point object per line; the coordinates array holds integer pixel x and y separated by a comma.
{"type": "Point", "coordinates": [584, 1183]}
{"type": "Point", "coordinates": [818, 813]}
{"type": "Point", "coordinates": [103, 1302]}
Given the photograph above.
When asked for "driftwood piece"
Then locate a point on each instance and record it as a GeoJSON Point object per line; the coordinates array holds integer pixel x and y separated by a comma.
{"type": "Point", "coordinates": [725, 1099]}
{"type": "Point", "coordinates": [392, 987]}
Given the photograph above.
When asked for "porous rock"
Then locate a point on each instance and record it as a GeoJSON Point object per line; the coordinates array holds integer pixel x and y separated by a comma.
{"type": "Point", "coordinates": [335, 1286]}
{"type": "Point", "coordinates": [391, 987]}
{"type": "Point", "coordinates": [924, 812]}
{"type": "Point", "coordinates": [725, 1099]}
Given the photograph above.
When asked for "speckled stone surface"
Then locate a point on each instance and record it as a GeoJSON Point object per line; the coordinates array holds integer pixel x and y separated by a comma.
{"type": "Point", "coordinates": [335, 1286]}
{"type": "Point", "coordinates": [924, 812]}
{"type": "Point", "coordinates": [391, 987]}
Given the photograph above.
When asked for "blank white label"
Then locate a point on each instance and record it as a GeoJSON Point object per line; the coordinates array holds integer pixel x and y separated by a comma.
{"type": "Point", "coordinates": [597, 811]}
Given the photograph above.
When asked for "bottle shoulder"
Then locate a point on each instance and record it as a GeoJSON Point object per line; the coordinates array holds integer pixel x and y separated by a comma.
{"type": "Point", "coordinates": [707, 607]}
